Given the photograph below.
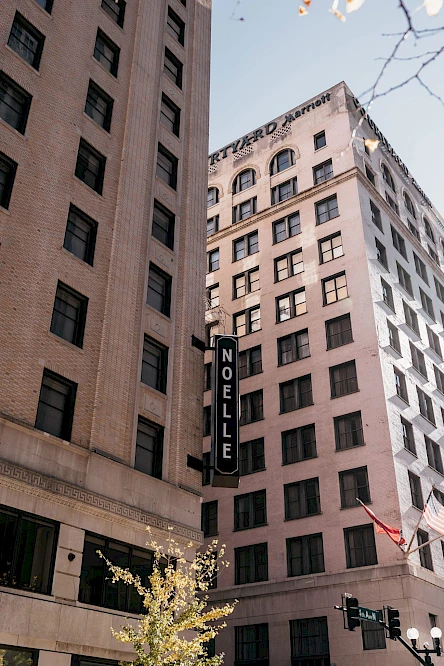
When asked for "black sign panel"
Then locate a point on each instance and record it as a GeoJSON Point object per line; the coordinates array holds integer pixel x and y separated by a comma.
{"type": "Point", "coordinates": [225, 411]}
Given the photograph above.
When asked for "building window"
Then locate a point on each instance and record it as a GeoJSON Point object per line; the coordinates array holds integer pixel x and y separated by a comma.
{"type": "Point", "coordinates": [175, 27]}
{"type": "Point", "coordinates": [213, 260]}
{"type": "Point", "coordinates": [427, 304]}
{"type": "Point", "coordinates": [250, 362]}
{"type": "Point", "coordinates": [288, 265]}
{"type": "Point", "coordinates": [338, 331]}
{"type": "Point", "coordinates": [28, 552]}
{"type": "Point", "coordinates": [376, 216]}
{"type": "Point", "coordinates": [334, 288]}
{"type": "Point", "coordinates": [251, 456]}
{"type": "Point", "coordinates": [426, 405]}
{"type": "Point", "coordinates": [80, 235]}
{"type": "Point", "coordinates": [298, 444]}
{"type": "Point", "coordinates": [353, 484]}
{"type": "Point", "coordinates": [212, 197]}
{"type": "Point", "coordinates": [409, 205]}
{"type": "Point", "coordinates": [78, 660]}
{"type": "Point", "coordinates": [411, 318]}
{"type": "Point", "coordinates": [251, 645]}
{"type": "Point", "coordinates": [166, 168]}
{"type": "Point", "coordinates": [381, 253]}
{"type": "Point", "coordinates": [207, 421]}
{"type": "Point", "coordinates": [295, 394]}
{"type": "Point", "coordinates": [373, 636]}
{"type": "Point", "coordinates": [163, 225]}
{"type": "Point", "coordinates": [246, 283]}
{"type": "Point", "coordinates": [14, 103]}
{"type": "Point", "coordinates": [207, 376]}
{"type": "Point", "coordinates": [416, 491]}
{"type": "Point", "coordinates": [413, 230]}
{"type": "Point", "coordinates": [149, 448]}
{"type": "Point", "coordinates": [247, 321]}
{"type": "Point", "coordinates": [330, 248]}
{"type": "Point", "coordinates": [96, 585]}
{"type": "Point", "coordinates": [401, 386]}
{"type": "Point", "coordinates": [209, 518]}
{"type": "Point", "coordinates": [348, 431]}
{"type": "Point", "coordinates": [433, 454]}
{"type": "Point", "coordinates": [26, 40]}
{"type": "Point", "coordinates": [428, 229]}
{"type": "Point", "coordinates": [250, 510]}
{"type": "Point", "coordinates": [14, 655]}
{"type": "Point", "coordinates": [251, 407]}
{"type": "Point", "coordinates": [322, 172]}
{"type": "Point", "coordinates": [115, 10]}
{"type": "Point", "coordinates": [244, 180]}
{"type": "Point", "coordinates": [434, 342]}
{"type": "Point", "coordinates": [206, 461]}
{"type": "Point", "coordinates": [90, 166]}
{"type": "Point", "coordinates": [425, 553]}
{"type": "Point", "coordinates": [251, 564]}
{"type": "Point", "coordinates": [213, 296]}
{"type": "Point", "coordinates": [305, 555]}
{"type": "Point", "coordinates": [284, 191]}
{"type": "Point", "coordinates": [244, 210]}
{"type": "Point", "coordinates": [173, 68]}
{"type": "Point", "coordinates": [408, 436]}
{"type": "Point", "coordinates": [399, 243]}
{"type": "Point", "coordinates": [8, 170]}
{"type": "Point", "coordinates": [291, 305]}
{"type": "Point", "coordinates": [302, 499]}
{"type": "Point", "coordinates": [433, 255]}
{"type": "Point", "coordinates": [343, 379]}
{"type": "Point", "coordinates": [154, 365]}
{"type": "Point", "coordinates": [107, 53]}
{"type": "Point", "coordinates": [404, 279]}
{"type": "Point", "coordinates": [439, 290]}
{"type": "Point", "coordinates": [387, 295]}
{"type": "Point", "coordinates": [283, 160]}
{"type": "Point", "coordinates": [370, 175]}
{"type": "Point", "coordinates": [99, 105]}
{"type": "Point", "coordinates": [326, 209]}
{"type": "Point", "coordinates": [420, 268]}
{"type": "Point", "coordinates": [388, 177]}
{"type": "Point", "coordinates": [360, 547]}
{"type": "Point", "coordinates": [170, 115]}
{"type": "Point", "coordinates": [439, 379]}
{"type": "Point", "coordinates": [46, 5]}
{"type": "Point", "coordinates": [309, 642]}
{"type": "Point", "coordinates": [287, 227]}
{"type": "Point", "coordinates": [159, 290]}
{"type": "Point", "coordinates": [392, 203]}
{"type": "Point", "coordinates": [293, 347]}
{"type": "Point", "coordinates": [418, 360]}
{"type": "Point", "coordinates": [243, 247]}
{"type": "Point", "coordinates": [69, 315]}
{"type": "Point", "coordinates": [319, 140]}
{"type": "Point", "coordinates": [393, 334]}
{"type": "Point", "coordinates": [212, 225]}
{"type": "Point", "coordinates": [55, 410]}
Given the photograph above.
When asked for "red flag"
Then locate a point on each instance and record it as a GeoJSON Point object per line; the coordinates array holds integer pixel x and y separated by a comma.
{"type": "Point", "coordinates": [434, 515]}
{"type": "Point", "coordinates": [382, 528]}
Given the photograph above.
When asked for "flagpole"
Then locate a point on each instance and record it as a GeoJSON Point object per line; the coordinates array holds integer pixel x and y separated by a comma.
{"type": "Point", "coordinates": [417, 524]}
{"type": "Point", "coordinates": [425, 544]}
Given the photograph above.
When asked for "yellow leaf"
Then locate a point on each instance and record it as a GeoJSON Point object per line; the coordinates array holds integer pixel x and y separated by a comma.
{"type": "Point", "coordinates": [371, 144]}
{"type": "Point", "coordinates": [353, 5]}
{"type": "Point", "coordinates": [302, 11]}
{"type": "Point", "coordinates": [433, 7]}
{"type": "Point", "coordinates": [338, 14]}
{"type": "Point", "coordinates": [307, 3]}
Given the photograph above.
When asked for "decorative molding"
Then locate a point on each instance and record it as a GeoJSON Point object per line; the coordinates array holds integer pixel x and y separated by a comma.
{"type": "Point", "coordinates": [33, 483]}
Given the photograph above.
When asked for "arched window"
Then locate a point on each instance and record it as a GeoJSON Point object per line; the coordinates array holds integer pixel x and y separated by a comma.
{"type": "Point", "coordinates": [213, 196]}
{"type": "Point", "coordinates": [283, 160]}
{"type": "Point", "coordinates": [409, 205]}
{"type": "Point", "coordinates": [428, 229]}
{"type": "Point", "coordinates": [244, 180]}
{"type": "Point", "coordinates": [388, 177]}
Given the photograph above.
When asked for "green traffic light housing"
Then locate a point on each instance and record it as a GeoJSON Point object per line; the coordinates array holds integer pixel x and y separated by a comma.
{"type": "Point", "coordinates": [393, 622]}
{"type": "Point", "coordinates": [351, 604]}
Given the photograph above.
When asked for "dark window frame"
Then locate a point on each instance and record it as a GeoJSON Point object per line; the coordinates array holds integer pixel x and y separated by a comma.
{"type": "Point", "coordinates": [237, 210]}
{"type": "Point", "coordinates": [277, 196]}
{"type": "Point", "coordinates": [68, 408]}
{"type": "Point", "coordinates": [248, 320]}
{"type": "Point", "coordinates": [297, 446]}
{"type": "Point", "coordinates": [369, 558]}
{"type": "Point", "coordinates": [143, 425]}
{"type": "Point", "coordinates": [247, 407]}
{"type": "Point", "coordinates": [350, 382]}
{"type": "Point", "coordinates": [161, 370]}
{"type": "Point", "coordinates": [175, 27]}
{"type": "Point", "coordinates": [298, 399]}
{"type": "Point", "coordinates": [60, 317]}
{"type": "Point", "coordinates": [163, 233]}
{"type": "Point", "coordinates": [352, 434]}
{"type": "Point", "coordinates": [253, 552]}
{"type": "Point", "coordinates": [109, 7]}
{"type": "Point", "coordinates": [166, 289]}
{"type": "Point", "coordinates": [113, 66]}
{"type": "Point", "coordinates": [94, 89]}
{"type": "Point", "coordinates": [173, 125]}
{"type": "Point", "coordinates": [293, 306]}
{"type": "Point", "coordinates": [306, 505]}
{"type": "Point", "coordinates": [175, 75]}
{"type": "Point", "coordinates": [248, 282]}
{"type": "Point", "coordinates": [256, 515]}
{"type": "Point", "coordinates": [295, 347]}
{"type": "Point", "coordinates": [332, 211]}
{"type": "Point", "coordinates": [325, 173]}
{"type": "Point", "coordinates": [345, 334]}
{"type": "Point", "coordinates": [247, 245]}
{"type": "Point", "coordinates": [319, 137]}
{"type": "Point", "coordinates": [83, 170]}
{"type": "Point", "coordinates": [251, 460]}
{"type": "Point", "coordinates": [167, 176]}
{"type": "Point", "coordinates": [210, 515]}
{"type": "Point", "coordinates": [311, 556]}
{"type": "Point", "coordinates": [35, 34]}
{"type": "Point", "coordinates": [360, 490]}
{"type": "Point", "coordinates": [22, 99]}
{"type": "Point", "coordinates": [250, 364]}
{"type": "Point", "coordinates": [290, 229]}
{"type": "Point", "coordinates": [9, 168]}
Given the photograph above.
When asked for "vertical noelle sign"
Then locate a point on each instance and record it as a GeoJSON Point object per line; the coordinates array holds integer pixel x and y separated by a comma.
{"type": "Point", "coordinates": [225, 413]}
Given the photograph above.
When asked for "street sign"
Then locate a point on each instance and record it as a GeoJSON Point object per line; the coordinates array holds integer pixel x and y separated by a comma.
{"type": "Point", "coordinates": [368, 614]}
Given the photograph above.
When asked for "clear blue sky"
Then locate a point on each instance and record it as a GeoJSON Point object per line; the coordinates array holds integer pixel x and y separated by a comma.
{"type": "Point", "coordinates": [274, 60]}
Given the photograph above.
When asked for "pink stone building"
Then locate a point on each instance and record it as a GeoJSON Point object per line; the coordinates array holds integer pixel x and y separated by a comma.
{"type": "Point", "coordinates": [103, 142]}
{"type": "Point", "coordinates": [325, 258]}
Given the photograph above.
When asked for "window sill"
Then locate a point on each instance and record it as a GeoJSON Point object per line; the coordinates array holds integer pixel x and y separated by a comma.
{"type": "Point", "coordinates": [104, 609]}
{"type": "Point", "coordinates": [296, 409]}
{"type": "Point", "coordinates": [339, 346]}
{"type": "Point", "coordinates": [5, 211]}
{"type": "Point", "coordinates": [263, 469]}
{"type": "Point", "coordinates": [319, 224]}
{"type": "Point", "coordinates": [71, 345]}
{"type": "Point", "coordinates": [293, 317]}
{"type": "Point", "coordinates": [311, 515]}
{"type": "Point", "coordinates": [325, 305]}
{"type": "Point", "coordinates": [316, 150]}
{"type": "Point", "coordinates": [250, 422]}
{"type": "Point", "coordinates": [88, 188]}
{"type": "Point", "coordinates": [164, 316]}
{"type": "Point", "coordinates": [18, 134]}
{"type": "Point", "coordinates": [411, 453]}
{"type": "Point", "coordinates": [436, 470]}
{"type": "Point", "coordinates": [83, 263]}
{"type": "Point", "coordinates": [114, 78]}
{"type": "Point", "coordinates": [276, 242]}
{"type": "Point", "coordinates": [107, 133]}
{"type": "Point", "coordinates": [112, 21]}
{"type": "Point", "coordinates": [253, 527]}
{"type": "Point", "coordinates": [170, 187]}
{"type": "Point", "coordinates": [26, 593]}
{"type": "Point", "coordinates": [354, 506]}
{"type": "Point", "coordinates": [159, 394]}
{"type": "Point", "coordinates": [294, 462]}
{"type": "Point", "coordinates": [282, 365]}
{"type": "Point", "coordinates": [30, 67]}
{"type": "Point", "coordinates": [249, 376]}
{"type": "Point", "coordinates": [343, 395]}
{"type": "Point", "coordinates": [249, 333]}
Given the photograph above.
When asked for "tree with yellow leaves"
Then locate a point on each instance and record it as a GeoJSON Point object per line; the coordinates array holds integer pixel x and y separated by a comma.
{"type": "Point", "coordinates": [176, 623]}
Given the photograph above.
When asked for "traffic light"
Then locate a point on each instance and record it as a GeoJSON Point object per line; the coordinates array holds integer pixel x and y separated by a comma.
{"type": "Point", "coordinates": [393, 622]}
{"type": "Point", "coordinates": [351, 604]}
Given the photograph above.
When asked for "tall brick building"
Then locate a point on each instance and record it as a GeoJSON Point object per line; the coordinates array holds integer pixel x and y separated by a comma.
{"type": "Point", "coordinates": [103, 141]}
{"type": "Point", "coordinates": [326, 260]}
